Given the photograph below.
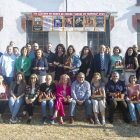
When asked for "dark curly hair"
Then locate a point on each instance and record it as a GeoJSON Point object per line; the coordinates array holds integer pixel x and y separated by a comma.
{"type": "Point", "coordinates": [82, 52]}
{"type": "Point", "coordinates": [134, 53]}
{"type": "Point", "coordinates": [61, 45]}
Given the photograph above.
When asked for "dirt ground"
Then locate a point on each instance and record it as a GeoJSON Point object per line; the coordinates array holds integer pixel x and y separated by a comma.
{"type": "Point", "coordinates": [80, 130]}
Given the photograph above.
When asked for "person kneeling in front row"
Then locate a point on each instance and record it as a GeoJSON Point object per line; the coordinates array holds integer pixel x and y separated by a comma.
{"type": "Point", "coordinates": [115, 92]}
{"type": "Point", "coordinates": [80, 92]}
{"type": "Point", "coordinates": [48, 90]}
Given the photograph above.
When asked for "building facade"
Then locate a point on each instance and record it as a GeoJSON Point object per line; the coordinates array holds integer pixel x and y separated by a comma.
{"type": "Point", "coordinates": [122, 30]}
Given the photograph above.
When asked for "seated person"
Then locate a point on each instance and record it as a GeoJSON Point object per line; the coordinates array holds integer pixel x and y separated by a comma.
{"type": "Point", "coordinates": [17, 91]}
{"type": "Point", "coordinates": [112, 87]}
{"type": "Point", "coordinates": [49, 90]}
{"type": "Point", "coordinates": [133, 99]}
{"type": "Point", "coordinates": [62, 93]}
{"type": "Point", "coordinates": [80, 92]}
{"type": "Point", "coordinates": [98, 98]}
{"type": "Point", "coordinates": [4, 93]}
{"type": "Point", "coordinates": [31, 94]}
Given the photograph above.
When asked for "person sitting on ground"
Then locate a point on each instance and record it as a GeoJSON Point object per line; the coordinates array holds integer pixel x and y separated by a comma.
{"type": "Point", "coordinates": [113, 88]}
{"type": "Point", "coordinates": [98, 88]}
{"type": "Point", "coordinates": [80, 92]}
{"type": "Point", "coordinates": [49, 88]}
{"type": "Point", "coordinates": [133, 90]}
{"type": "Point", "coordinates": [17, 92]}
{"type": "Point", "coordinates": [4, 94]}
{"type": "Point", "coordinates": [63, 96]}
{"type": "Point", "coordinates": [31, 94]}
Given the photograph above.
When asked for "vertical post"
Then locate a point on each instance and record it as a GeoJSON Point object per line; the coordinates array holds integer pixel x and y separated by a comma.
{"type": "Point", "coordinates": [27, 29]}
{"type": "Point", "coordinates": [66, 31]}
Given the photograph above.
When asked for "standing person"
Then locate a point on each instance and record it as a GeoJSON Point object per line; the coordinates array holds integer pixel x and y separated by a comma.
{"type": "Point", "coordinates": [135, 47]}
{"type": "Point", "coordinates": [80, 92]}
{"type": "Point", "coordinates": [75, 63]}
{"type": "Point", "coordinates": [28, 46]}
{"type": "Point", "coordinates": [102, 64]}
{"type": "Point", "coordinates": [1, 54]}
{"type": "Point", "coordinates": [7, 65]}
{"type": "Point", "coordinates": [4, 91]}
{"type": "Point", "coordinates": [15, 52]}
{"type": "Point", "coordinates": [113, 86]}
{"type": "Point", "coordinates": [116, 58]}
{"type": "Point", "coordinates": [133, 89]}
{"type": "Point", "coordinates": [48, 87]}
{"type": "Point", "coordinates": [98, 102]}
{"type": "Point", "coordinates": [31, 94]}
{"type": "Point", "coordinates": [12, 44]}
{"type": "Point", "coordinates": [35, 48]}
{"type": "Point", "coordinates": [62, 92]}
{"type": "Point", "coordinates": [130, 63]}
{"type": "Point", "coordinates": [17, 92]}
{"type": "Point", "coordinates": [59, 57]}
{"type": "Point", "coordinates": [107, 50]}
{"type": "Point", "coordinates": [40, 66]}
{"type": "Point", "coordinates": [50, 56]}
{"type": "Point", "coordinates": [87, 63]}
{"type": "Point", "coordinates": [23, 64]}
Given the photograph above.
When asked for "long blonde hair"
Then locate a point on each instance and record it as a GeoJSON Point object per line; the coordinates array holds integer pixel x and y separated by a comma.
{"type": "Point", "coordinates": [66, 76]}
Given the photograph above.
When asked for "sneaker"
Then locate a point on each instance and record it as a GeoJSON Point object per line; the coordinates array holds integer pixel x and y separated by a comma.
{"type": "Point", "coordinates": [13, 120]}
{"type": "Point", "coordinates": [71, 120]}
{"type": "Point", "coordinates": [44, 120]}
{"type": "Point", "coordinates": [126, 121]}
{"type": "Point", "coordinates": [135, 123]}
{"type": "Point", "coordinates": [52, 121]}
{"type": "Point", "coordinates": [90, 120]}
{"type": "Point", "coordinates": [22, 116]}
{"type": "Point", "coordinates": [29, 121]}
{"type": "Point", "coordinates": [110, 120]}
{"type": "Point", "coordinates": [103, 122]}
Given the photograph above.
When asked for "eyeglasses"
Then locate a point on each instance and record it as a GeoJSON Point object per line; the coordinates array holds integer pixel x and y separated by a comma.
{"type": "Point", "coordinates": [35, 46]}
{"type": "Point", "coordinates": [81, 77]}
{"type": "Point", "coordinates": [33, 77]}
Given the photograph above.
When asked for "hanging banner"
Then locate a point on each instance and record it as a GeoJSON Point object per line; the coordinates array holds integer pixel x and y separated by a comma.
{"type": "Point", "coordinates": [100, 23]}
{"type": "Point", "coordinates": [69, 21]}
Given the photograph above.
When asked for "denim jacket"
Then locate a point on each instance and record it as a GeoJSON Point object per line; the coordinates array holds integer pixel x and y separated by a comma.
{"type": "Point", "coordinates": [76, 62]}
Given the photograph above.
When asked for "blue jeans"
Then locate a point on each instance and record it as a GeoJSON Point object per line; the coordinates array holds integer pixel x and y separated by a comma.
{"type": "Point", "coordinates": [51, 107]}
{"type": "Point", "coordinates": [120, 72]}
{"type": "Point", "coordinates": [87, 103]}
{"type": "Point", "coordinates": [8, 80]}
{"type": "Point", "coordinates": [15, 105]}
{"type": "Point", "coordinates": [132, 110]}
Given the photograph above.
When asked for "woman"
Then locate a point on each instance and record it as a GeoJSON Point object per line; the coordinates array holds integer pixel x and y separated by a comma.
{"type": "Point", "coordinates": [4, 94]}
{"type": "Point", "coordinates": [130, 63]}
{"type": "Point", "coordinates": [23, 64]}
{"type": "Point", "coordinates": [31, 94]}
{"type": "Point", "coordinates": [117, 59]}
{"type": "Point", "coordinates": [63, 96]}
{"type": "Point", "coordinates": [40, 66]}
{"type": "Point", "coordinates": [17, 92]}
{"type": "Point", "coordinates": [59, 58]}
{"type": "Point", "coordinates": [74, 61]}
{"type": "Point", "coordinates": [107, 50]}
{"type": "Point", "coordinates": [87, 63]}
{"type": "Point", "coordinates": [133, 89]}
{"type": "Point", "coordinates": [28, 46]}
{"type": "Point", "coordinates": [98, 88]}
{"type": "Point", "coordinates": [15, 52]}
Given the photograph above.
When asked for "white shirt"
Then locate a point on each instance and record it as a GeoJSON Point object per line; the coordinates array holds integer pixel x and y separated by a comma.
{"type": "Point", "coordinates": [2, 90]}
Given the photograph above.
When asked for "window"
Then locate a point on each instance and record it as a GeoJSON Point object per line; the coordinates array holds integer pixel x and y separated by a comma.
{"type": "Point", "coordinates": [138, 34]}
{"type": "Point", "coordinates": [36, 37]}
{"type": "Point", "coordinates": [95, 39]}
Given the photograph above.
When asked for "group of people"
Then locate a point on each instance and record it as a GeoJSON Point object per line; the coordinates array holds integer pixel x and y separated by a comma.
{"type": "Point", "coordinates": [34, 77]}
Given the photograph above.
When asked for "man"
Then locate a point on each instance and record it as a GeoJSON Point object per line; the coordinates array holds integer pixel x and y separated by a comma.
{"type": "Point", "coordinates": [35, 48]}
{"type": "Point", "coordinates": [48, 87]}
{"type": "Point", "coordinates": [1, 54]}
{"type": "Point", "coordinates": [80, 92]}
{"type": "Point", "coordinates": [7, 65]}
{"type": "Point", "coordinates": [112, 87]}
{"type": "Point", "coordinates": [15, 51]}
{"type": "Point", "coordinates": [135, 47]}
{"type": "Point", "coordinates": [102, 64]}
{"type": "Point", "coordinates": [12, 44]}
{"type": "Point", "coordinates": [50, 58]}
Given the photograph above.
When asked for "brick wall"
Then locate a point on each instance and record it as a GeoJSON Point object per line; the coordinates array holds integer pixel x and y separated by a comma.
{"type": "Point", "coordinates": [134, 20]}
{"type": "Point", "coordinates": [1, 23]}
